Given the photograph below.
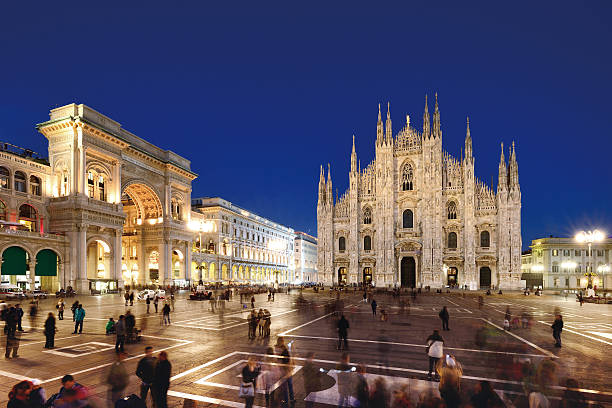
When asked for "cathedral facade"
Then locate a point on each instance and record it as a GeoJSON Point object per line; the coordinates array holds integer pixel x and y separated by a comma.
{"type": "Point", "coordinates": [416, 216]}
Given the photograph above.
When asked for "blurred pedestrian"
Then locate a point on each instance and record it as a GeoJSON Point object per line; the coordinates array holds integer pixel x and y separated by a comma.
{"type": "Point", "coordinates": [379, 397]}
{"type": "Point", "coordinates": [362, 389]}
{"type": "Point", "coordinates": [444, 316]}
{"type": "Point", "coordinates": [435, 351]}
{"type": "Point", "coordinates": [373, 304]}
{"type": "Point", "coordinates": [79, 317]}
{"type": "Point", "coordinates": [249, 381]}
{"type": "Point", "coordinates": [12, 345]}
{"type": "Point", "coordinates": [557, 328]}
{"type": "Point", "coordinates": [485, 396]}
{"type": "Point", "coordinates": [148, 302]}
{"type": "Point", "coordinates": [37, 396]}
{"type": "Point", "coordinates": [60, 309]}
{"type": "Point", "coordinates": [450, 382]}
{"type": "Point", "coordinates": [120, 333]}
{"type": "Point", "coordinates": [19, 315]}
{"type": "Point", "coordinates": [73, 309]}
{"type": "Point", "coordinates": [312, 378]}
{"type": "Point", "coordinates": [131, 298]}
{"type": "Point", "coordinates": [50, 330]}
{"type": "Point", "coordinates": [33, 315]}
{"type": "Point", "coordinates": [161, 381]}
{"type": "Point", "coordinates": [146, 372]}
{"type": "Point", "coordinates": [286, 370]}
{"type": "Point", "coordinates": [166, 314]}
{"type": "Point", "coordinates": [155, 302]}
{"type": "Point", "coordinates": [117, 378]}
{"type": "Point", "coordinates": [343, 326]}
{"type": "Point", "coordinates": [19, 395]}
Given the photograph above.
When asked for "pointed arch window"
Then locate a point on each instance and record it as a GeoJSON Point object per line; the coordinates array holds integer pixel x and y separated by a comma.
{"type": "Point", "coordinates": [20, 181]}
{"type": "Point", "coordinates": [341, 244]}
{"type": "Point", "coordinates": [5, 178]}
{"type": "Point", "coordinates": [452, 211]}
{"type": "Point", "coordinates": [407, 177]}
{"type": "Point", "coordinates": [407, 219]}
{"type": "Point", "coordinates": [367, 216]}
{"type": "Point", "coordinates": [485, 239]}
{"type": "Point", "coordinates": [367, 243]}
{"type": "Point", "coordinates": [452, 240]}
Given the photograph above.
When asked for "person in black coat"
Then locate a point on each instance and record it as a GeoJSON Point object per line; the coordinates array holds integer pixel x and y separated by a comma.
{"type": "Point", "coordinates": [50, 331]}
{"type": "Point", "coordinates": [444, 316]}
{"type": "Point", "coordinates": [19, 314]}
{"type": "Point", "coordinates": [557, 327]}
{"type": "Point", "coordinates": [161, 380]}
{"type": "Point", "coordinates": [374, 304]}
{"type": "Point", "coordinates": [343, 326]}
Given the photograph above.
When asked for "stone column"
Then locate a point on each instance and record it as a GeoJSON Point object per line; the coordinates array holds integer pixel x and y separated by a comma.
{"type": "Point", "coordinates": [116, 260]}
{"type": "Point", "coordinates": [187, 252]}
{"type": "Point", "coordinates": [165, 261]}
{"type": "Point", "coordinates": [32, 273]}
{"type": "Point", "coordinates": [81, 284]}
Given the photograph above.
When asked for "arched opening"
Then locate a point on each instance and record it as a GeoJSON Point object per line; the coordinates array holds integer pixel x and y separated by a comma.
{"type": "Point", "coordinates": [46, 271]}
{"type": "Point", "coordinates": [212, 272]}
{"type": "Point", "coordinates": [367, 215]}
{"type": "Point", "coordinates": [5, 178]}
{"type": "Point", "coordinates": [485, 277]}
{"type": "Point", "coordinates": [342, 276]}
{"type": "Point", "coordinates": [100, 267]}
{"type": "Point", "coordinates": [15, 264]}
{"type": "Point", "coordinates": [485, 239]}
{"type": "Point", "coordinates": [408, 272]}
{"type": "Point", "coordinates": [178, 264]}
{"type": "Point", "coordinates": [407, 219]}
{"type": "Point", "coordinates": [451, 276]}
{"type": "Point", "coordinates": [2, 211]}
{"type": "Point", "coordinates": [367, 275]}
{"type": "Point", "coordinates": [367, 243]}
{"type": "Point", "coordinates": [20, 182]}
{"type": "Point", "coordinates": [28, 217]}
{"type": "Point", "coordinates": [35, 186]}
{"type": "Point", "coordinates": [407, 177]}
{"type": "Point", "coordinates": [153, 266]}
{"type": "Point", "coordinates": [341, 244]}
{"type": "Point", "coordinates": [176, 205]}
{"type": "Point", "coordinates": [452, 240]}
{"type": "Point", "coordinates": [203, 277]}
{"type": "Point", "coordinates": [451, 211]}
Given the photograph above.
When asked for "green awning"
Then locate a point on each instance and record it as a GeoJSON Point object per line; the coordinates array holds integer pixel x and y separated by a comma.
{"type": "Point", "coordinates": [14, 261]}
{"type": "Point", "coordinates": [46, 263]}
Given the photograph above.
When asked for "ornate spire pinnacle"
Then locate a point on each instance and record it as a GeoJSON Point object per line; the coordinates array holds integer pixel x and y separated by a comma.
{"type": "Point", "coordinates": [353, 158]}
{"type": "Point", "coordinates": [379, 128]}
{"type": "Point", "coordinates": [467, 133]}
{"type": "Point", "coordinates": [407, 121]}
{"type": "Point", "coordinates": [426, 123]}
{"type": "Point", "coordinates": [388, 131]}
{"type": "Point", "coordinates": [502, 159]}
{"type": "Point", "coordinates": [436, 120]}
{"type": "Point", "coordinates": [468, 141]}
{"type": "Point", "coordinates": [502, 178]}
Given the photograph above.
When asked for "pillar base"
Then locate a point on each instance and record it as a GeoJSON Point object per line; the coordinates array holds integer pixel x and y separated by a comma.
{"type": "Point", "coordinates": [81, 286]}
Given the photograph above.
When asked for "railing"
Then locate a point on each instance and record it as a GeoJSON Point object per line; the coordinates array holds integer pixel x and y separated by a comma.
{"type": "Point", "coordinates": [31, 234]}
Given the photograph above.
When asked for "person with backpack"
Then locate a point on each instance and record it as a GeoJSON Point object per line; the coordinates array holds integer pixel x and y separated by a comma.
{"type": "Point", "coordinates": [435, 351]}
{"type": "Point", "coordinates": [79, 317]}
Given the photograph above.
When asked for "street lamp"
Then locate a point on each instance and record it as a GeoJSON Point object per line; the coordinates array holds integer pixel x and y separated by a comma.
{"type": "Point", "coordinates": [201, 226]}
{"type": "Point", "coordinates": [589, 237]}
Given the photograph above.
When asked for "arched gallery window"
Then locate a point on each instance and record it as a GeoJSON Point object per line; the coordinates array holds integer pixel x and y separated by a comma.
{"type": "Point", "coordinates": [367, 216]}
{"type": "Point", "coordinates": [452, 240]}
{"type": "Point", "coordinates": [27, 217]}
{"type": "Point", "coordinates": [101, 188]}
{"type": "Point", "coordinates": [35, 188]}
{"type": "Point", "coordinates": [20, 182]}
{"type": "Point", "coordinates": [5, 178]}
{"type": "Point", "coordinates": [2, 211]}
{"type": "Point", "coordinates": [367, 243]}
{"type": "Point", "coordinates": [90, 185]}
{"type": "Point", "coordinates": [176, 209]}
{"type": "Point", "coordinates": [341, 244]}
{"type": "Point", "coordinates": [407, 221]}
{"type": "Point", "coordinates": [407, 177]}
{"type": "Point", "coordinates": [485, 239]}
{"type": "Point", "coordinates": [452, 211]}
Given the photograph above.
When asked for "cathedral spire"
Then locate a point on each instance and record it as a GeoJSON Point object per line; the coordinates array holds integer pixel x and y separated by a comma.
{"type": "Point", "coordinates": [468, 141]}
{"type": "Point", "coordinates": [389, 133]}
{"type": "Point", "coordinates": [379, 128]}
{"type": "Point", "coordinates": [513, 169]}
{"type": "Point", "coordinates": [321, 186]}
{"type": "Point", "coordinates": [426, 122]}
{"type": "Point", "coordinates": [353, 158]}
{"type": "Point", "coordinates": [436, 120]}
{"type": "Point", "coordinates": [502, 181]}
{"type": "Point", "coordinates": [330, 191]}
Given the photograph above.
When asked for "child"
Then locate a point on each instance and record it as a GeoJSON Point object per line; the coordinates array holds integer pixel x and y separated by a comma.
{"type": "Point", "coordinates": [506, 324]}
{"type": "Point", "coordinates": [110, 326]}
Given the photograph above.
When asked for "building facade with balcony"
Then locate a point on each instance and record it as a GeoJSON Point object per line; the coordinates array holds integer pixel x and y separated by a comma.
{"type": "Point", "coordinates": [107, 209]}
{"type": "Point", "coordinates": [305, 257]}
{"type": "Point", "coordinates": [234, 244]}
{"type": "Point", "coordinates": [417, 216]}
{"type": "Point", "coordinates": [563, 263]}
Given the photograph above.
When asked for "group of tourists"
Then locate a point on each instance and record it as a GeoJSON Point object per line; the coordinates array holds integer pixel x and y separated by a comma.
{"type": "Point", "coordinates": [259, 322]}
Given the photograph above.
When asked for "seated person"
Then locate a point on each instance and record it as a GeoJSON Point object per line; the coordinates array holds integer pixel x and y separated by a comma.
{"type": "Point", "coordinates": [110, 326]}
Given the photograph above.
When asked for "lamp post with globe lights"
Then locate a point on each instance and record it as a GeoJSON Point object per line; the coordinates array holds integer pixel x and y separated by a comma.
{"type": "Point", "coordinates": [589, 237]}
{"type": "Point", "coordinates": [200, 226]}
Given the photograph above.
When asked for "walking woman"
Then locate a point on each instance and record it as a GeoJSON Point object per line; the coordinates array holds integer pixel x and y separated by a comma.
{"type": "Point", "coordinates": [50, 331]}
{"type": "Point", "coordinates": [249, 381]}
{"type": "Point", "coordinates": [161, 380]}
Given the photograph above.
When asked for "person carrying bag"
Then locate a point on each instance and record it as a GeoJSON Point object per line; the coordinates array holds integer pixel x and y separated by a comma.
{"type": "Point", "coordinates": [249, 379]}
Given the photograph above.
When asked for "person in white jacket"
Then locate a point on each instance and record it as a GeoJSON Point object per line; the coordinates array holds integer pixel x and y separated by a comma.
{"type": "Point", "coordinates": [435, 351]}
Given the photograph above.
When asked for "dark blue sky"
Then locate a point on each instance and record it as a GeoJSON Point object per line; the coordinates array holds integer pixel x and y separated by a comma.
{"type": "Point", "coordinates": [259, 94]}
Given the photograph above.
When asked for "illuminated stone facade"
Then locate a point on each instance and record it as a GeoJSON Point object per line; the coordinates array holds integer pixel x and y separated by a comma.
{"type": "Point", "coordinates": [417, 216]}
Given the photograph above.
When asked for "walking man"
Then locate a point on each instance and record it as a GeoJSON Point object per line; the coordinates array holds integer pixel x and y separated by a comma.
{"type": "Point", "coordinates": [79, 316]}
{"type": "Point", "coordinates": [557, 328]}
{"type": "Point", "coordinates": [60, 309]}
{"type": "Point", "coordinates": [166, 314]}
{"type": "Point", "coordinates": [50, 331]}
{"type": "Point", "coordinates": [435, 351]}
{"type": "Point", "coordinates": [155, 302]}
{"type": "Point", "coordinates": [148, 302]}
{"type": "Point", "coordinates": [120, 331]}
{"type": "Point", "coordinates": [146, 372]}
{"type": "Point", "coordinates": [118, 379]}
{"type": "Point", "coordinates": [19, 314]}
{"type": "Point", "coordinates": [444, 317]}
{"type": "Point", "coordinates": [374, 304]}
{"type": "Point", "coordinates": [343, 326]}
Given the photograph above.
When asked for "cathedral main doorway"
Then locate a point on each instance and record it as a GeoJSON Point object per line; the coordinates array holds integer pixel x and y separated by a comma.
{"type": "Point", "coordinates": [408, 272]}
{"type": "Point", "coordinates": [451, 277]}
{"type": "Point", "coordinates": [485, 277]}
{"type": "Point", "coordinates": [367, 276]}
{"type": "Point", "coordinates": [342, 276]}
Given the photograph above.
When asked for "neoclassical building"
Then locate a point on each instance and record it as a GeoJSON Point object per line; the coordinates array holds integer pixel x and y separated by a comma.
{"type": "Point", "coordinates": [108, 209]}
{"type": "Point", "coordinates": [305, 257]}
{"type": "Point", "coordinates": [418, 216]}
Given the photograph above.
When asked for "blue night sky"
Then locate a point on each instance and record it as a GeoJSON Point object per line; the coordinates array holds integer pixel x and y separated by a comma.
{"type": "Point", "coordinates": [258, 94]}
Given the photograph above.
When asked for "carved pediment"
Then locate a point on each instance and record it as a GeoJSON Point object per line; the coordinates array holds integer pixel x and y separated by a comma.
{"type": "Point", "coordinates": [408, 246]}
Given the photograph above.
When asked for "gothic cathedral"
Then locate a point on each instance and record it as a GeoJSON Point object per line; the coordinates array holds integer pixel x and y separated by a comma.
{"type": "Point", "coordinates": [416, 216]}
